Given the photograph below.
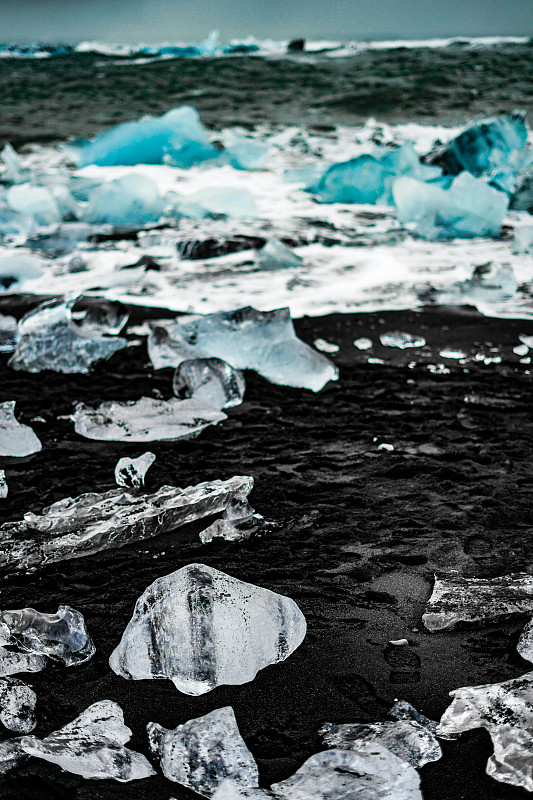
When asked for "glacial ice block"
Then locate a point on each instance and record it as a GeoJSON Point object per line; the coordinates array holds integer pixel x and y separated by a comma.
{"type": "Point", "coordinates": [203, 752]}
{"type": "Point", "coordinates": [17, 705]}
{"type": "Point", "coordinates": [92, 522]}
{"type": "Point", "coordinates": [144, 420]}
{"type": "Point", "coordinates": [264, 341]}
{"type": "Point", "coordinates": [126, 202]}
{"type": "Point", "coordinates": [209, 381]}
{"type": "Point", "coordinates": [34, 201]}
{"type": "Point", "coordinates": [62, 636]}
{"type": "Point", "coordinates": [276, 255]}
{"type": "Point", "coordinates": [92, 745]}
{"type": "Point", "coordinates": [201, 628]}
{"type": "Point", "coordinates": [238, 522]}
{"type": "Point", "coordinates": [506, 711]}
{"type": "Point", "coordinates": [50, 339]}
{"type": "Point", "coordinates": [469, 208]}
{"type": "Point", "coordinates": [456, 599]}
{"type": "Point", "coordinates": [130, 472]}
{"type": "Point", "coordinates": [177, 137]}
{"type": "Point", "coordinates": [15, 270]}
{"type": "Point", "coordinates": [16, 440]}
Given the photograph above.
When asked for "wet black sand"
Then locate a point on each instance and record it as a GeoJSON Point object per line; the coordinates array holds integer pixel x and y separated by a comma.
{"type": "Point", "coordinates": [361, 533]}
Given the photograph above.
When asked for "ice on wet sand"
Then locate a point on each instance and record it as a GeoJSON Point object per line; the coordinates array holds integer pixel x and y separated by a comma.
{"type": "Point", "coordinates": [130, 472]}
{"type": "Point", "coordinates": [61, 636]}
{"type": "Point", "coordinates": [16, 440]}
{"type": "Point", "coordinates": [210, 381]}
{"type": "Point", "coordinates": [17, 705]}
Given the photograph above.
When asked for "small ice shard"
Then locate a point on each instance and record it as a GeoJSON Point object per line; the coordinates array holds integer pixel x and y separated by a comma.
{"type": "Point", "coordinates": [11, 755]}
{"type": "Point", "coordinates": [242, 152]}
{"type": "Point", "coordinates": [11, 662]}
{"type": "Point", "coordinates": [231, 202]}
{"type": "Point", "coordinates": [126, 202]}
{"type": "Point", "coordinates": [130, 472]}
{"type": "Point", "coordinates": [16, 440]}
{"type": "Point", "coordinates": [368, 772]}
{"type": "Point", "coordinates": [144, 420]}
{"type": "Point", "coordinates": [506, 711]}
{"type": "Point", "coordinates": [523, 239]}
{"type": "Point", "coordinates": [326, 347]}
{"type": "Point", "coordinates": [399, 642]}
{"type": "Point", "coordinates": [386, 446]}
{"type": "Point", "coordinates": [210, 381]}
{"type": "Point", "coordinates": [17, 705]}
{"type": "Point", "coordinates": [176, 137]}
{"type": "Point", "coordinates": [203, 752]}
{"type": "Point", "coordinates": [238, 522]}
{"type": "Point", "coordinates": [527, 340]}
{"type": "Point", "coordinates": [264, 341]}
{"type": "Point", "coordinates": [34, 201]}
{"type": "Point", "coordinates": [407, 739]}
{"type": "Point", "coordinates": [521, 350]}
{"type": "Point", "coordinates": [276, 255]}
{"type": "Point", "coordinates": [363, 343]}
{"type": "Point", "coordinates": [456, 599]}
{"type": "Point", "coordinates": [106, 318]}
{"type": "Point", "coordinates": [468, 208]}
{"type": "Point", "coordinates": [201, 628]}
{"type": "Point", "coordinates": [14, 172]}
{"type": "Point", "coordinates": [9, 333]}
{"type": "Point", "coordinates": [62, 636]}
{"type": "Point", "coordinates": [3, 485]}
{"type": "Point", "coordinates": [401, 339]}
{"type": "Point", "coordinates": [92, 746]}
{"type": "Point", "coordinates": [15, 270]}
{"type": "Point", "coordinates": [50, 339]}
{"type": "Point", "coordinates": [92, 522]}
{"type": "Point", "coordinates": [456, 355]}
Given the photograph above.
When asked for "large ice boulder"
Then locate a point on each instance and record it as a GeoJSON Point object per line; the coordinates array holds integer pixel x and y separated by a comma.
{"type": "Point", "coordinates": [129, 201]}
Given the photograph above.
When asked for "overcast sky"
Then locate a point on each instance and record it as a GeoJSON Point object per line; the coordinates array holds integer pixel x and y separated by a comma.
{"type": "Point", "coordinates": [186, 20]}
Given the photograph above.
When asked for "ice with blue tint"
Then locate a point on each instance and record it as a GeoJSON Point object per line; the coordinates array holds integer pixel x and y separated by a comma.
{"type": "Point", "coordinates": [34, 201]}
{"type": "Point", "coordinates": [264, 341]}
{"type": "Point", "coordinates": [523, 239]}
{"type": "Point", "coordinates": [227, 201]}
{"type": "Point", "coordinates": [14, 224]}
{"type": "Point", "coordinates": [62, 240]}
{"type": "Point", "coordinates": [14, 172]}
{"type": "Point", "coordinates": [177, 137]}
{"type": "Point", "coordinates": [16, 440]}
{"type": "Point", "coordinates": [130, 472]}
{"type": "Point", "coordinates": [469, 208]}
{"type": "Point", "coordinates": [16, 269]}
{"type": "Point", "coordinates": [244, 153]}
{"type": "Point", "coordinates": [276, 255]}
{"type": "Point", "coordinates": [129, 201]}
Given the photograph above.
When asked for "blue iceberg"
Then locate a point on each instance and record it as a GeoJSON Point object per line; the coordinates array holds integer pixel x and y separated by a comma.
{"type": "Point", "coordinates": [129, 201]}
{"type": "Point", "coordinates": [470, 207]}
{"type": "Point", "coordinates": [177, 137]}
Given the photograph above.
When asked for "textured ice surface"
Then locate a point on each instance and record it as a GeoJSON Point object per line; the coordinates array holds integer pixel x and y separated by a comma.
{"type": "Point", "coordinates": [144, 420]}
{"type": "Point", "coordinates": [34, 201]}
{"type": "Point", "coordinates": [3, 485]}
{"type": "Point", "coordinates": [130, 472]}
{"type": "Point", "coordinates": [405, 738]}
{"type": "Point", "coordinates": [229, 790]}
{"type": "Point", "coordinates": [401, 339]}
{"type": "Point", "coordinates": [506, 711]}
{"type": "Point", "coordinates": [16, 269]}
{"type": "Point", "coordinates": [177, 137]}
{"type": "Point", "coordinates": [469, 207]}
{"type": "Point", "coordinates": [12, 662]}
{"type": "Point", "coordinates": [126, 202]}
{"type": "Point", "coordinates": [202, 628]}
{"type": "Point", "coordinates": [210, 381]}
{"type": "Point", "coordinates": [92, 746]}
{"type": "Point", "coordinates": [264, 341]}
{"type": "Point", "coordinates": [9, 333]}
{"type": "Point", "coordinates": [17, 705]}
{"type": "Point", "coordinates": [62, 636]}
{"type": "Point", "coordinates": [457, 599]}
{"type": "Point", "coordinates": [368, 772]}
{"type": "Point", "coordinates": [50, 339]}
{"type": "Point", "coordinates": [276, 255]}
{"type": "Point", "coordinates": [525, 643]}
{"type": "Point", "coordinates": [16, 439]}
{"type": "Point", "coordinates": [238, 522]}
{"type": "Point", "coordinates": [203, 752]}
{"type": "Point", "coordinates": [92, 522]}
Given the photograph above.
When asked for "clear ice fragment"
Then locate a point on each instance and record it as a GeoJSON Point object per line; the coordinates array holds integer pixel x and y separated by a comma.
{"type": "Point", "coordinates": [17, 705]}
{"type": "Point", "coordinates": [238, 522]}
{"type": "Point", "coordinates": [16, 439]}
{"type": "Point", "coordinates": [203, 752]}
{"type": "Point", "coordinates": [231, 202]}
{"type": "Point", "coordinates": [210, 381]}
{"type": "Point", "coordinates": [201, 628]}
{"type": "Point", "coordinates": [276, 255]}
{"type": "Point", "coordinates": [130, 472]}
{"type": "Point", "coordinates": [456, 599]}
{"type": "Point", "coordinates": [126, 202]}
{"type": "Point", "coordinates": [401, 339]}
{"type": "Point", "coordinates": [92, 522]}
{"type": "Point", "coordinates": [241, 152]}
{"type": "Point", "coordinates": [11, 662]}
{"type": "Point", "coordinates": [62, 636]}
{"type": "Point", "coordinates": [3, 485]}
{"type": "Point", "coordinates": [92, 746]}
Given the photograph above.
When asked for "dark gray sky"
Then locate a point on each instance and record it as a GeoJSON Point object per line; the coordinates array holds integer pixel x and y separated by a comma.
{"type": "Point", "coordinates": [191, 20]}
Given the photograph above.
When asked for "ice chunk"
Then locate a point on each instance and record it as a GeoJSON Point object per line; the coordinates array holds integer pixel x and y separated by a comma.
{"type": "Point", "coordinates": [11, 663]}
{"type": "Point", "coordinates": [177, 137]}
{"type": "Point", "coordinates": [202, 628]}
{"type": "Point", "coordinates": [264, 341]}
{"type": "Point", "coordinates": [244, 153]}
{"type": "Point", "coordinates": [17, 705]}
{"type": "Point", "coordinates": [130, 472]}
{"type": "Point", "coordinates": [16, 439]}
{"type": "Point", "coordinates": [15, 270]}
{"type": "Point", "coordinates": [368, 772]}
{"type": "Point", "coordinates": [231, 202]}
{"type": "Point", "coordinates": [456, 599]}
{"type": "Point", "coordinates": [229, 790]}
{"type": "Point", "coordinates": [363, 343]}
{"type": "Point", "coordinates": [523, 239]}
{"type": "Point", "coordinates": [92, 746]}
{"type": "Point", "coordinates": [203, 752]}
{"type": "Point", "coordinates": [14, 172]}
{"type": "Point", "coordinates": [525, 643]}
{"type": "Point", "coordinates": [11, 755]}
{"type": "Point", "coordinates": [406, 739]}
{"type": "Point", "coordinates": [3, 485]}
{"type": "Point", "coordinates": [50, 339]}
{"type": "Point", "coordinates": [126, 202]}
{"type": "Point", "coordinates": [74, 527]}
{"type": "Point", "coordinates": [13, 224]}
{"type": "Point", "coordinates": [276, 255]}
{"type": "Point", "coordinates": [401, 339]}
{"type": "Point", "coordinates": [144, 420]}
{"type": "Point", "coordinates": [522, 200]}
{"type": "Point", "coordinates": [210, 381]}
{"type": "Point", "coordinates": [62, 636]}
{"type": "Point", "coordinates": [62, 240]}
{"type": "Point", "coordinates": [9, 333]}
{"type": "Point", "coordinates": [468, 208]}
{"type": "Point", "coordinates": [238, 522]}
{"type": "Point", "coordinates": [326, 347]}
{"type": "Point", "coordinates": [34, 201]}
{"type": "Point", "coordinates": [506, 711]}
